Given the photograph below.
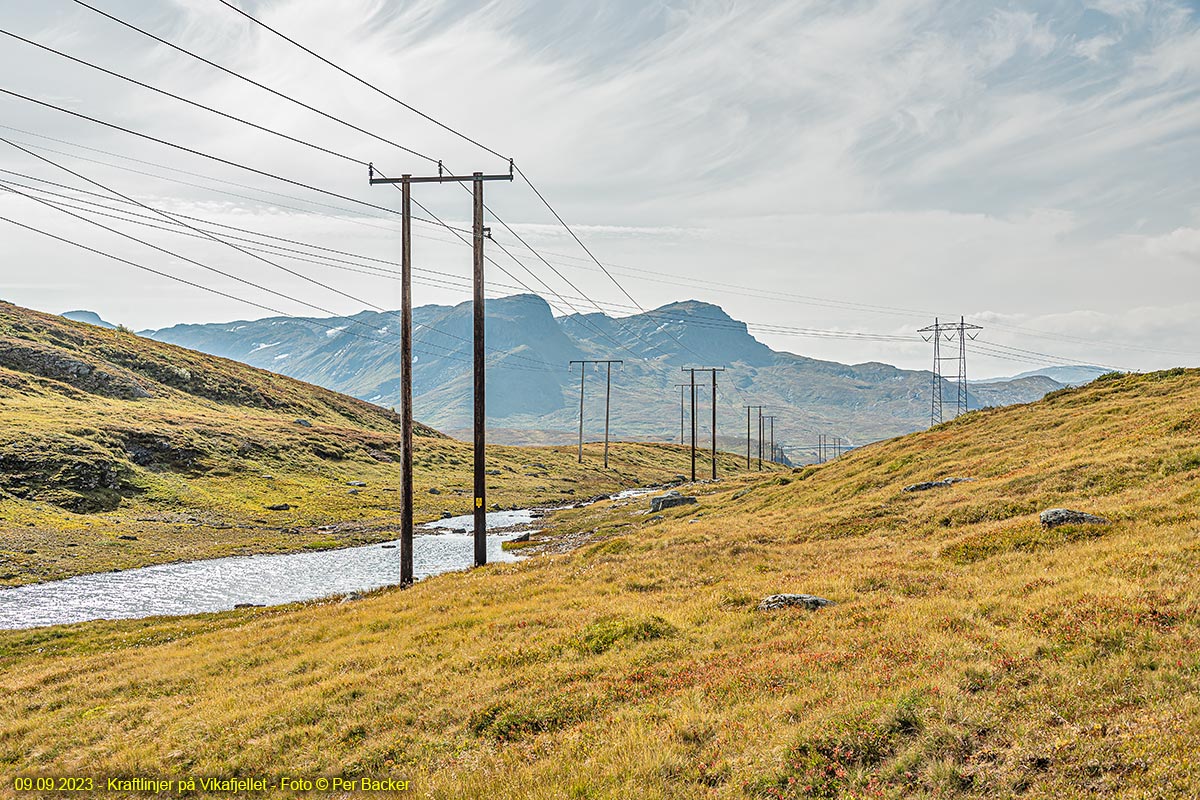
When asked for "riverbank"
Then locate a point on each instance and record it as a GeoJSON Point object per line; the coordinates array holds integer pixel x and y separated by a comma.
{"type": "Point", "coordinates": [348, 505]}
{"type": "Point", "coordinates": [225, 584]}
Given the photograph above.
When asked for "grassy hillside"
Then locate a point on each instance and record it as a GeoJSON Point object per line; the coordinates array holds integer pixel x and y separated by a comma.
{"type": "Point", "coordinates": [970, 653]}
{"type": "Point", "coordinates": [119, 451]}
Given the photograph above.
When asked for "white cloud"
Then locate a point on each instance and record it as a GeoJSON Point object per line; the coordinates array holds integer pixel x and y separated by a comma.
{"type": "Point", "coordinates": [1092, 49]}
{"type": "Point", "coordinates": [1182, 242]}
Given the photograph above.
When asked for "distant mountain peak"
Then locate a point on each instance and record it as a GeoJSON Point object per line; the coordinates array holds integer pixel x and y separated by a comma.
{"type": "Point", "coordinates": [90, 317]}
{"type": "Point", "coordinates": [694, 307]}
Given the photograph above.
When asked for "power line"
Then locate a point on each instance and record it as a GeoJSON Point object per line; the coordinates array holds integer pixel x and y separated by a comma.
{"type": "Point", "coordinates": [217, 239]}
{"type": "Point", "coordinates": [288, 253]}
{"type": "Point", "coordinates": [181, 99]}
{"type": "Point", "coordinates": [369, 85]}
{"type": "Point", "coordinates": [264, 87]}
{"type": "Point", "coordinates": [212, 178]}
{"type": "Point", "coordinates": [190, 150]}
{"type": "Point", "coordinates": [447, 353]}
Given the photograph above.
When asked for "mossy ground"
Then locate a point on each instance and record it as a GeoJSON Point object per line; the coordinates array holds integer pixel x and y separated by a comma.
{"type": "Point", "coordinates": [970, 653]}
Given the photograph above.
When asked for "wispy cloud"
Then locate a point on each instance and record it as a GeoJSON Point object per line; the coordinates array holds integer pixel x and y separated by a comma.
{"type": "Point", "coordinates": [1035, 159]}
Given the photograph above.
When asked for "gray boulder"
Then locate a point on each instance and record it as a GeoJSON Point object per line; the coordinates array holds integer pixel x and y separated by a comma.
{"type": "Point", "coordinates": [303, 423]}
{"type": "Point", "coordinates": [1053, 517]}
{"type": "Point", "coordinates": [670, 500]}
{"type": "Point", "coordinates": [809, 601]}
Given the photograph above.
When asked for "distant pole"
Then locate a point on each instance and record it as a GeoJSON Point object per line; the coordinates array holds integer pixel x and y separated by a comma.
{"type": "Point", "coordinates": [406, 425]}
{"type": "Point", "coordinates": [714, 424]}
{"type": "Point", "coordinates": [681, 387]}
{"type": "Point", "coordinates": [607, 397]}
{"type": "Point", "coordinates": [693, 372]}
{"type": "Point", "coordinates": [747, 438]}
{"type": "Point", "coordinates": [760, 437]}
{"type": "Point", "coordinates": [582, 364]}
{"type": "Point", "coordinates": [771, 419]}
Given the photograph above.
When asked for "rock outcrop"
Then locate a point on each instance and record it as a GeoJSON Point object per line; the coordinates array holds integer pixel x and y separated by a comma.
{"type": "Point", "coordinates": [809, 601]}
{"type": "Point", "coordinates": [1053, 517]}
{"type": "Point", "coordinates": [670, 500]}
{"type": "Point", "coordinates": [927, 485]}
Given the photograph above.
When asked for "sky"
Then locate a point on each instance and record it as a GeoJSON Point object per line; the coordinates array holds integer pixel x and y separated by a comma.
{"type": "Point", "coordinates": [813, 167]}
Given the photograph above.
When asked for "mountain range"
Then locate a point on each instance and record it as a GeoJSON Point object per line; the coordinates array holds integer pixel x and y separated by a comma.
{"type": "Point", "coordinates": [533, 393]}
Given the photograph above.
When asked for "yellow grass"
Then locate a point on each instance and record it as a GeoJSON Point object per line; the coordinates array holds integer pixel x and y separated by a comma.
{"type": "Point", "coordinates": [971, 653]}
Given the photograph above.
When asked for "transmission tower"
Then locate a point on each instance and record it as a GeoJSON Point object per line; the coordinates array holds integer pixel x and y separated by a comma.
{"type": "Point", "coordinates": [951, 332]}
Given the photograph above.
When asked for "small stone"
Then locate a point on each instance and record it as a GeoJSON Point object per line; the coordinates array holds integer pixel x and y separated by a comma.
{"type": "Point", "coordinates": [446, 515]}
{"type": "Point", "coordinates": [249, 605]}
{"type": "Point", "coordinates": [1053, 517]}
{"type": "Point", "coordinates": [353, 491]}
{"type": "Point", "coordinates": [280, 507]}
{"type": "Point", "coordinates": [491, 472]}
{"type": "Point", "coordinates": [303, 423]}
{"type": "Point", "coordinates": [356, 483]}
{"type": "Point", "coordinates": [738, 495]}
{"type": "Point", "coordinates": [435, 490]}
{"type": "Point", "coordinates": [811, 602]}
{"type": "Point", "coordinates": [268, 477]}
{"type": "Point", "coordinates": [127, 537]}
{"type": "Point", "coordinates": [524, 537]}
{"type": "Point", "coordinates": [388, 546]}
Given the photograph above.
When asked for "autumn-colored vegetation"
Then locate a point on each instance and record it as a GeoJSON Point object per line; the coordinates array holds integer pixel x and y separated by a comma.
{"type": "Point", "coordinates": [971, 652]}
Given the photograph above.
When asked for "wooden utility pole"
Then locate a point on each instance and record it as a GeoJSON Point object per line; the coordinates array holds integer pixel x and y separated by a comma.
{"type": "Point", "coordinates": [607, 397]}
{"type": "Point", "coordinates": [771, 418]}
{"type": "Point", "coordinates": [480, 526]}
{"type": "Point", "coordinates": [480, 510]}
{"type": "Point", "coordinates": [406, 424]}
{"type": "Point", "coordinates": [714, 371]}
{"type": "Point", "coordinates": [748, 408]}
{"type": "Point", "coordinates": [693, 383]}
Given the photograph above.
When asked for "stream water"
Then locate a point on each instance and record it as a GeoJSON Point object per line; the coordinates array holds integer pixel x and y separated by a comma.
{"type": "Point", "coordinates": [219, 584]}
